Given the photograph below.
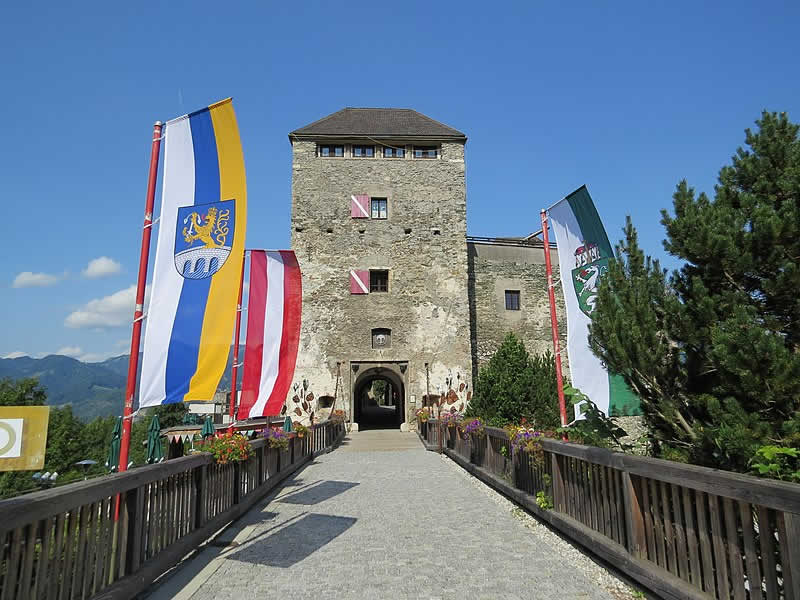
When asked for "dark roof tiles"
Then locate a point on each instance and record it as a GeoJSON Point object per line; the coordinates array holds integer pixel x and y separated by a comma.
{"type": "Point", "coordinates": [378, 122]}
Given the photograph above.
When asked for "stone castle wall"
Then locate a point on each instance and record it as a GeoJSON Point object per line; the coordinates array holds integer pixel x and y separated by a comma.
{"type": "Point", "coordinates": [495, 268]}
{"type": "Point", "coordinates": [422, 243]}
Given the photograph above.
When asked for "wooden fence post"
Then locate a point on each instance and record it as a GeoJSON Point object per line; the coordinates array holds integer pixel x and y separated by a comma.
{"type": "Point", "coordinates": [200, 496]}
{"type": "Point", "coordinates": [634, 518]}
{"type": "Point", "coordinates": [559, 495]}
{"type": "Point", "coordinates": [130, 534]}
{"type": "Point", "coordinates": [789, 532]}
{"type": "Point", "coordinates": [237, 481]}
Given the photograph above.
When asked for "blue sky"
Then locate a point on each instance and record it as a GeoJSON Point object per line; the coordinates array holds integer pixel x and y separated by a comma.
{"type": "Point", "coordinates": [627, 98]}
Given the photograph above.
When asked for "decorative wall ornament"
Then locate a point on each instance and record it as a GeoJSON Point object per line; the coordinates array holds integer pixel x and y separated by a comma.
{"type": "Point", "coordinates": [302, 405]}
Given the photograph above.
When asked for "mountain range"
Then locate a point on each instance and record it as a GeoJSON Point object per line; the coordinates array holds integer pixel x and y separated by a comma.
{"type": "Point", "coordinates": [93, 389]}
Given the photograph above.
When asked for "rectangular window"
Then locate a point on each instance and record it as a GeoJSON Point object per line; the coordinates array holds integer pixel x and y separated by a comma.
{"type": "Point", "coordinates": [378, 210]}
{"type": "Point", "coordinates": [330, 150]}
{"type": "Point", "coordinates": [512, 299]}
{"type": "Point", "coordinates": [426, 151]}
{"type": "Point", "coordinates": [363, 151]}
{"type": "Point", "coordinates": [389, 152]}
{"type": "Point", "coordinates": [378, 281]}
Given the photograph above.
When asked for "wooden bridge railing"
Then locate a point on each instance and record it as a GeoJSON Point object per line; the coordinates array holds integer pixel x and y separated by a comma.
{"type": "Point", "coordinates": [65, 544]}
{"type": "Point", "coordinates": [681, 530]}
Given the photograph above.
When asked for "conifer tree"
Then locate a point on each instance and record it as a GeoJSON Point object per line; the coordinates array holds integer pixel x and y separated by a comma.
{"type": "Point", "coordinates": [714, 351]}
{"type": "Point", "coordinates": [514, 385]}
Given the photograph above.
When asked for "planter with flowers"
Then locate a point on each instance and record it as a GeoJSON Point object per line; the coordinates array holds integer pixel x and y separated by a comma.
{"type": "Point", "coordinates": [450, 422]}
{"type": "Point", "coordinates": [277, 442]}
{"type": "Point", "coordinates": [474, 431]}
{"type": "Point", "coordinates": [227, 448]}
{"type": "Point", "coordinates": [300, 429]}
{"type": "Point", "coordinates": [423, 415]}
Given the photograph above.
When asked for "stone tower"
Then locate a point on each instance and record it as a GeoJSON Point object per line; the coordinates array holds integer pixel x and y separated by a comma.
{"type": "Point", "coordinates": [379, 229]}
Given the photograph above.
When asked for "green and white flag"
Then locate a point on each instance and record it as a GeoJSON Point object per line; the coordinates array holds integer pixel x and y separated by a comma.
{"type": "Point", "coordinates": [583, 253]}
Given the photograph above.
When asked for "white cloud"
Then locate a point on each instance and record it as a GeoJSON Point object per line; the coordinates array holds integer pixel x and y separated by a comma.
{"type": "Point", "coordinates": [72, 351]}
{"type": "Point", "coordinates": [95, 356]}
{"type": "Point", "coordinates": [109, 311]}
{"type": "Point", "coordinates": [16, 354]}
{"type": "Point", "coordinates": [101, 267]}
{"type": "Point", "coordinates": [28, 279]}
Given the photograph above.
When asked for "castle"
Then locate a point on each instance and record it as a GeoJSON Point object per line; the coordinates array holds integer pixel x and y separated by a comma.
{"type": "Point", "coordinates": [400, 306]}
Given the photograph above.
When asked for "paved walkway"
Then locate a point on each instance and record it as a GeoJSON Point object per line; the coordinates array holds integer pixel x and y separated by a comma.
{"type": "Point", "coordinates": [379, 518]}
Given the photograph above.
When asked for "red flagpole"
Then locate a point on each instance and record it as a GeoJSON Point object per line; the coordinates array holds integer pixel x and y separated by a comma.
{"type": "Point", "coordinates": [133, 361]}
{"type": "Point", "coordinates": [554, 322]}
{"type": "Point", "coordinates": [235, 367]}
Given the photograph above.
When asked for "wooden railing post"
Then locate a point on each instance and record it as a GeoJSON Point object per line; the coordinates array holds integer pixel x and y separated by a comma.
{"type": "Point", "coordinates": [237, 481]}
{"type": "Point", "coordinates": [130, 533]}
{"type": "Point", "coordinates": [559, 492]}
{"type": "Point", "coordinates": [789, 531]}
{"type": "Point", "coordinates": [634, 518]}
{"type": "Point", "coordinates": [200, 477]}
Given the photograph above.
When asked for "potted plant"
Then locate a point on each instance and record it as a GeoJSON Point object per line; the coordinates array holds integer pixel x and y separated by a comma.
{"type": "Point", "coordinates": [228, 447]}
{"type": "Point", "coordinates": [300, 429]}
{"type": "Point", "coordinates": [276, 438]}
{"type": "Point", "coordinates": [474, 431]}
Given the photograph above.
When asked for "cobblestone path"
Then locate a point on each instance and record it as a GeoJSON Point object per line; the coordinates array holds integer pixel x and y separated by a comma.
{"type": "Point", "coordinates": [378, 518]}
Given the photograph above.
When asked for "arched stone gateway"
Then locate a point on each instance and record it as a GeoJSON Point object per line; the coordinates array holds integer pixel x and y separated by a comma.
{"type": "Point", "coordinates": [378, 396]}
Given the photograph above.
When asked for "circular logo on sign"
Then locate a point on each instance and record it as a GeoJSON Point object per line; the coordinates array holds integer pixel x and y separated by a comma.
{"type": "Point", "coordinates": [12, 438]}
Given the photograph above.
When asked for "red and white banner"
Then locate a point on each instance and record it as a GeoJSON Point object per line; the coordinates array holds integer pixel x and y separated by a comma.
{"type": "Point", "coordinates": [273, 332]}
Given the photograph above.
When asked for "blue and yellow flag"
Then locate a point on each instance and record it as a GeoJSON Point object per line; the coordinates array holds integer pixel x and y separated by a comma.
{"type": "Point", "coordinates": [199, 257]}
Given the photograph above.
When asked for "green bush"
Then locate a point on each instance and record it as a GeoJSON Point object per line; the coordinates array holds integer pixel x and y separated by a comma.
{"type": "Point", "coordinates": [515, 385]}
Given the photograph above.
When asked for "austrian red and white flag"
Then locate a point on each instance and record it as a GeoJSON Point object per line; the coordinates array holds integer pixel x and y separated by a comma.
{"type": "Point", "coordinates": [273, 332]}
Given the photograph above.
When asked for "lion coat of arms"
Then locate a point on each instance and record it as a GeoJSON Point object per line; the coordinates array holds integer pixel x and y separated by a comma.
{"type": "Point", "coordinates": [203, 238]}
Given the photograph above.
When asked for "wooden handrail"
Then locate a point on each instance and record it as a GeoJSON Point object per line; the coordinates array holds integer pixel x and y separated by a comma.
{"type": "Point", "coordinates": [66, 543]}
{"type": "Point", "coordinates": [684, 531]}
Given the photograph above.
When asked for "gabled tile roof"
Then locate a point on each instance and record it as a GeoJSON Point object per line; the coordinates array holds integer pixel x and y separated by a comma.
{"type": "Point", "coordinates": [378, 122]}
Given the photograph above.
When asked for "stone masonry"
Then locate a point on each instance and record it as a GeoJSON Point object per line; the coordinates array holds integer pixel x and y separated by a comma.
{"type": "Point", "coordinates": [444, 310]}
{"type": "Point", "coordinates": [508, 265]}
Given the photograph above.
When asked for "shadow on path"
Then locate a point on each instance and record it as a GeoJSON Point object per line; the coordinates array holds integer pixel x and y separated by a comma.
{"type": "Point", "coordinates": [313, 494]}
{"type": "Point", "coordinates": [293, 543]}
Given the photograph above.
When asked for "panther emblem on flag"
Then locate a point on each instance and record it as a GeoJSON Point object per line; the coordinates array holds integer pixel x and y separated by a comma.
{"type": "Point", "coordinates": [585, 280]}
{"type": "Point", "coordinates": [203, 238]}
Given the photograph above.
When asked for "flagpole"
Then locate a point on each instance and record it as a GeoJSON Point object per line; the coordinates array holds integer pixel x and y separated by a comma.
{"type": "Point", "coordinates": [138, 313]}
{"type": "Point", "coordinates": [554, 321]}
{"type": "Point", "coordinates": [235, 367]}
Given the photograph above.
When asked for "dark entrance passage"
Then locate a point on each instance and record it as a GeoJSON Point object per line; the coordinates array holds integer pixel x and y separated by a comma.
{"type": "Point", "coordinates": [378, 399]}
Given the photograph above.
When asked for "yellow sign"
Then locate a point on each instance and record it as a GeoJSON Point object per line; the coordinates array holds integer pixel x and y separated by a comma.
{"type": "Point", "coordinates": [23, 437]}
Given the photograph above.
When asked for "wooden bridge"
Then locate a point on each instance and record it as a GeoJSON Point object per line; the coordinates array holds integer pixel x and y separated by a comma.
{"type": "Point", "coordinates": [680, 531]}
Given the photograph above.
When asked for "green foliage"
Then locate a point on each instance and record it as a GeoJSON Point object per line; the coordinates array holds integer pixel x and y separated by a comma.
{"type": "Point", "coordinates": [22, 392]}
{"type": "Point", "coordinates": [514, 385]}
{"type": "Point", "coordinates": [70, 440]}
{"type": "Point", "coordinates": [544, 501]}
{"type": "Point", "coordinates": [595, 428]}
{"type": "Point", "coordinates": [777, 463]}
{"type": "Point", "coordinates": [713, 351]}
